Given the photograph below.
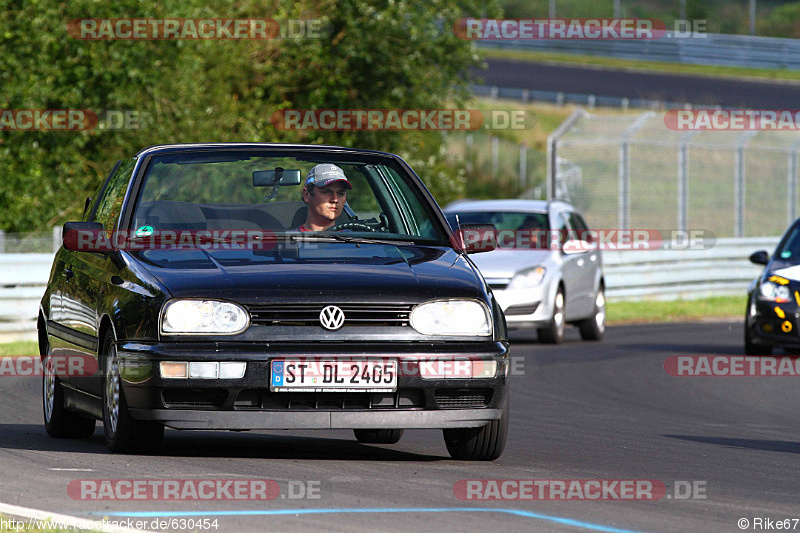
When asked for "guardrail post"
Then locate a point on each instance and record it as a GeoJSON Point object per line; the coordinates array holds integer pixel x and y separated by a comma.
{"type": "Point", "coordinates": [526, 95]}
{"type": "Point", "coordinates": [493, 93]}
{"type": "Point", "coordinates": [2, 241]}
{"type": "Point", "coordinates": [57, 238]}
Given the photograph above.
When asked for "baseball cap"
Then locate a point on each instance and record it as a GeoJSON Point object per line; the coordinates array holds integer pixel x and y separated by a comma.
{"type": "Point", "coordinates": [324, 174]}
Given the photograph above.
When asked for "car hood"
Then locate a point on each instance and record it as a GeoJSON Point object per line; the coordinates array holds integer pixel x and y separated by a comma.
{"type": "Point", "coordinates": [316, 272]}
{"type": "Point", "coordinates": [503, 264]}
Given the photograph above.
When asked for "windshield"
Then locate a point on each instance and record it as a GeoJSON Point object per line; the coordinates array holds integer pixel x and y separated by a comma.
{"type": "Point", "coordinates": [789, 249]}
{"type": "Point", "coordinates": [350, 195]}
{"type": "Point", "coordinates": [502, 220]}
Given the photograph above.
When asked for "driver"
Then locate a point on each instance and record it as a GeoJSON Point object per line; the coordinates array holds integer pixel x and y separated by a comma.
{"type": "Point", "coordinates": [325, 194]}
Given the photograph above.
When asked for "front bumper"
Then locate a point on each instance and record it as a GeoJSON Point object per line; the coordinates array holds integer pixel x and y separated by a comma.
{"type": "Point", "coordinates": [775, 324]}
{"type": "Point", "coordinates": [248, 403]}
{"type": "Point", "coordinates": [526, 308]}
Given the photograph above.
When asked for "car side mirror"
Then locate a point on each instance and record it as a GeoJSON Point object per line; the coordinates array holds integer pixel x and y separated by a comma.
{"type": "Point", "coordinates": [578, 242]}
{"type": "Point", "coordinates": [760, 257]}
{"type": "Point", "coordinates": [85, 237]}
{"type": "Point", "coordinates": [476, 238]}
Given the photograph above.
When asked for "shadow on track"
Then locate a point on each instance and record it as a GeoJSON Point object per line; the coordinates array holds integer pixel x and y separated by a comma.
{"type": "Point", "coordinates": [748, 444]}
{"type": "Point", "coordinates": [217, 444]}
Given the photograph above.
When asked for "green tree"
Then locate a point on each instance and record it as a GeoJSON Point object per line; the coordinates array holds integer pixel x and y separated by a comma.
{"type": "Point", "coordinates": [384, 54]}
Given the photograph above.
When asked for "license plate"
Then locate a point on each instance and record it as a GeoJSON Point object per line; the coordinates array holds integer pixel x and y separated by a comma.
{"type": "Point", "coordinates": [377, 375]}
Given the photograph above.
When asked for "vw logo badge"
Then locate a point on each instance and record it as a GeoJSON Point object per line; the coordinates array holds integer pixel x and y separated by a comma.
{"type": "Point", "coordinates": [331, 317]}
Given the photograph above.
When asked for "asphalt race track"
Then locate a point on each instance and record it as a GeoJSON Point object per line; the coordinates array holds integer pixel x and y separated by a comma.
{"type": "Point", "coordinates": [579, 411]}
{"type": "Point", "coordinates": [679, 88]}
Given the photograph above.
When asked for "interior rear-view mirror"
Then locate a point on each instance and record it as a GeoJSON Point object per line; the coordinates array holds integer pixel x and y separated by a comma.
{"type": "Point", "coordinates": [278, 176]}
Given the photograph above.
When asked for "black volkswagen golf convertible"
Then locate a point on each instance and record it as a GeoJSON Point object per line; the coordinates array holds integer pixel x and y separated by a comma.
{"type": "Point", "coordinates": [263, 286]}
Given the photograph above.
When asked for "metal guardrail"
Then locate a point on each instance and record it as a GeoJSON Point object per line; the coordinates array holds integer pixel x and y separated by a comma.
{"type": "Point", "coordinates": [630, 275]}
{"type": "Point", "coordinates": [703, 49]}
{"type": "Point", "coordinates": [561, 98]}
{"type": "Point", "coordinates": [723, 269]}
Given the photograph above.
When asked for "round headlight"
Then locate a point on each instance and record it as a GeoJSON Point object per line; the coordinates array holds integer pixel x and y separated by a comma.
{"type": "Point", "coordinates": [203, 316]}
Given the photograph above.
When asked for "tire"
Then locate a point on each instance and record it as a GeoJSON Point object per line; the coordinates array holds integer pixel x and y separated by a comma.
{"type": "Point", "coordinates": [123, 433]}
{"type": "Point", "coordinates": [378, 436]}
{"type": "Point", "coordinates": [754, 349]}
{"type": "Point", "coordinates": [593, 328]}
{"type": "Point", "coordinates": [485, 443]}
{"type": "Point", "coordinates": [58, 421]}
{"type": "Point", "coordinates": [554, 332]}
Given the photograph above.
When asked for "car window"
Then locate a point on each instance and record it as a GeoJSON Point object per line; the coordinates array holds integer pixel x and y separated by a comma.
{"type": "Point", "coordinates": [90, 209]}
{"type": "Point", "coordinates": [216, 190]}
{"type": "Point", "coordinates": [790, 248]}
{"type": "Point", "coordinates": [109, 205]}
{"type": "Point", "coordinates": [502, 220]}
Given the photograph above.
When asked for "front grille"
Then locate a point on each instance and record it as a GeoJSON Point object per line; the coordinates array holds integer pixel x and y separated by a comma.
{"type": "Point", "coordinates": [194, 397]}
{"type": "Point", "coordinates": [308, 314]}
{"type": "Point", "coordinates": [459, 398]}
{"type": "Point", "coordinates": [266, 399]}
{"type": "Point", "coordinates": [522, 309]}
{"type": "Point", "coordinates": [498, 285]}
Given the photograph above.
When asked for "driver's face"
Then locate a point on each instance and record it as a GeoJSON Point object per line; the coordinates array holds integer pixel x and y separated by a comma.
{"type": "Point", "coordinates": [326, 204]}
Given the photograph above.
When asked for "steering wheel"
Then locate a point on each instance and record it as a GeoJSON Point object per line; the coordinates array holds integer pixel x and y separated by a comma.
{"type": "Point", "coordinates": [351, 225]}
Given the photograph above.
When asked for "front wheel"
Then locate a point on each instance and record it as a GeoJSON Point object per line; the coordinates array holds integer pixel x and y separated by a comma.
{"type": "Point", "coordinates": [123, 432]}
{"type": "Point", "coordinates": [58, 421]}
{"type": "Point", "coordinates": [754, 349]}
{"type": "Point", "coordinates": [485, 443]}
{"type": "Point", "coordinates": [554, 332]}
{"type": "Point", "coordinates": [592, 328]}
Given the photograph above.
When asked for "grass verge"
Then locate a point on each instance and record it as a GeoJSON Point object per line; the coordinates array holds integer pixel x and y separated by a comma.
{"type": "Point", "coordinates": [655, 66]}
{"type": "Point", "coordinates": [19, 348]}
{"type": "Point", "coordinates": [676, 311]}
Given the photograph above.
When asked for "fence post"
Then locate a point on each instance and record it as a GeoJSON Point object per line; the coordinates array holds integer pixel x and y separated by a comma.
{"type": "Point", "coordinates": [791, 179]}
{"type": "Point", "coordinates": [57, 238]}
{"type": "Point", "coordinates": [468, 155]}
{"type": "Point", "coordinates": [624, 170]}
{"type": "Point", "coordinates": [552, 150]}
{"type": "Point", "coordinates": [738, 184]}
{"type": "Point", "coordinates": [495, 157]}
{"type": "Point", "coordinates": [683, 181]}
{"type": "Point", "coordinates": [523, 164]}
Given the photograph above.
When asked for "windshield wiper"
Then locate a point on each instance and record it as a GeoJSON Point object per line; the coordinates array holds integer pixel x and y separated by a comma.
{"type": "Point", "coordinates": [338, 237]}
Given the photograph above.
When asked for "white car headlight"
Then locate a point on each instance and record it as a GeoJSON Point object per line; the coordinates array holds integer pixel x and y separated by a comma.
{"type": "Point", "coordinates": [774, 292]}
{"type": "Point", "coordinates": [203, 316]}
{"type": "Point", "coordinates": [525, 279]}
{"type": "Point", "coordinates": [452, 317]}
